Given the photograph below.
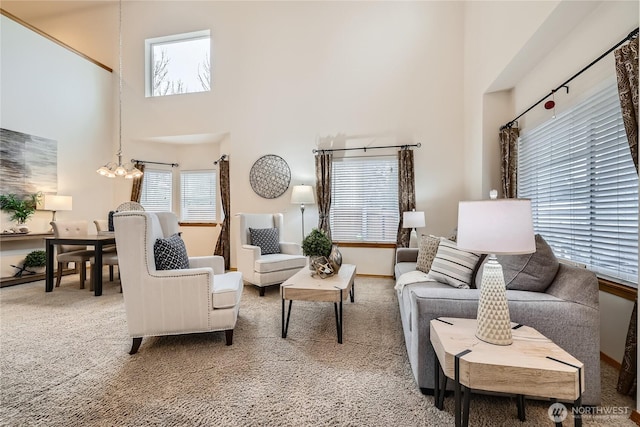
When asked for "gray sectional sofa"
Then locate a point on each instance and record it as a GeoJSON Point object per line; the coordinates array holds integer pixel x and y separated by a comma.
{"type": "Point", "coordinates": [566, 312]}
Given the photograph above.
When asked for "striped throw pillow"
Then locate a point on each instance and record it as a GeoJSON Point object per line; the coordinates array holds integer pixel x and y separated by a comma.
{"type": "Point", "coordinates": [453, 266]}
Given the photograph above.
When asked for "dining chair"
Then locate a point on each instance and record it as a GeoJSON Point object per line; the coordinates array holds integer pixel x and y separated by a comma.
{"type": "Point", "coordinates": [77, 254]}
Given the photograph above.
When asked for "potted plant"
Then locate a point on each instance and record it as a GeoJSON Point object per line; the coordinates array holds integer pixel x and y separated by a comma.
{"type": "Point", "coordinates": [19, 208]}
{"type": "Point", "coordinates": [316, 244]}
{"type": "Point", "coordinates": [34, 262]}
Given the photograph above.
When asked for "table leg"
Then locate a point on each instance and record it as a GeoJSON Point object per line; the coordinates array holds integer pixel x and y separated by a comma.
{"type": "Point", "coordinates": [286, 325]}
{"type": "Point", "coordinates": [465, 405]}
{"type": "Point", "coordinates": [48, 284]}
{"type": "Point", "coordinates": [283, 333]}
{"type": "Point", "coordinates": [338, 313]}
{"type": "Point", "coordinates": [436, 382]}
{"type": "Point", "coordinates": [458, 391]}
{"type": "Point", "coordinates": [352, 292]}
{"type": "Point", "coordinates": [577, 417]}
{"type": "Point", "coordinates": [521, 409]}
{"type": "Point", "coordinates": [97, 274]}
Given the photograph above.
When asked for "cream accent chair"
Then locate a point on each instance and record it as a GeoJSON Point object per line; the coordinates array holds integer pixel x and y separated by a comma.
{"type": "Point", "coordinates": [79, 255]}
{"type": "Point", "coordinates": [202, 298]}
{"type": "Point", "coordinates": [265, 270]}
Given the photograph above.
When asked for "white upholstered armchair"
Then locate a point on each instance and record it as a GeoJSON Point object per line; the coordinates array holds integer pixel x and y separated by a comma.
{"type": "Point", "coordinates": [263, 269]}
{"type": "Point", "coordinates": [201, 298]}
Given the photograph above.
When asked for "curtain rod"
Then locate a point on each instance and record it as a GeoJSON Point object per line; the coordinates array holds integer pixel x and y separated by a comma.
{"type": "Point", "coordinates": [630, 36]}
{"type": "Point", "coordinates": [223, 157]}
{"type": "Point", "coordinates": [155, 163]}
{"type": "Point", "coordinates": [405, 146]}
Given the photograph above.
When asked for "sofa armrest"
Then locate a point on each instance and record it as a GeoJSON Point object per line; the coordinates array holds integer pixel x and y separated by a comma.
{"type": "Point", "coordinates": [406, 255]}
{"type": "Point", "coordinates": [577, 285]}
{"type": "Point", "coordinates": [290, 248]}
{"type": "Point", "coordinates": [247, 256]}
{"type": "Point", "coordinates": [215, 262]}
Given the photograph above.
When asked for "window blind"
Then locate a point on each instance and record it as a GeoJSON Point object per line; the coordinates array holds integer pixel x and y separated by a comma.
{"type": "Point", "coordinates": [364, 199]}
{"type": "Point", "coordinates": [156, 190]}
{"type": "Point", "coordinates": [198, 196]}
{"type": "Point", "coordinates": [578, 172]}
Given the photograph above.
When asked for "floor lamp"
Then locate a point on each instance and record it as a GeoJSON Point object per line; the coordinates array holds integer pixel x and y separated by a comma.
{"type": "Point", "coordinates": [302, 194]}
{"type": "Point", "coordinates": [502, 227]}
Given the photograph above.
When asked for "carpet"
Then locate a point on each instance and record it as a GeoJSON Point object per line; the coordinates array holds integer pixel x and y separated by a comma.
{"type": "Point", "coordinates": [65, 362]}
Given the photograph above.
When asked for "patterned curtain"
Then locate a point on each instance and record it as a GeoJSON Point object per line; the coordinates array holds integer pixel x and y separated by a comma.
{"type": "Point", "coordinates": [627, 72]}
{"type": "Point", "coordinates": [136, 190]}
{"type": "Point", "coordinates": [224, 240]}
{"type": "Point", "coordinates": [509, 161]}
{"type": "Point", "coordinates": [406, 193]}
{"type": "Point", "coordinates": [323, 190]}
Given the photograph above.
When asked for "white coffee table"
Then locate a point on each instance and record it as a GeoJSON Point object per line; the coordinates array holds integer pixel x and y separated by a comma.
{"type": "Point", "coordinates": [302, 286]}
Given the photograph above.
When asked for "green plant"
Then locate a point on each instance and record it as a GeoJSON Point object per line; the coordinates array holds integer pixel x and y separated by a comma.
{"type": "Point", "coordinates": [317, 243]}
{"type": "Point", "coordinates": [36, 259]}
{"type": "Point", "coordinates": [20, 209]}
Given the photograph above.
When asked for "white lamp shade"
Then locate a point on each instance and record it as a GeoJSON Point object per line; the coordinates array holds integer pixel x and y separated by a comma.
{"type": "Point", "coordinates": [53, 202]}
{"type": "Point", "coordinates": [413, 219]}
{"type": "Point", "coordinates": [302, 194]}
{"type": "Point", "coordinates": [501, 226]}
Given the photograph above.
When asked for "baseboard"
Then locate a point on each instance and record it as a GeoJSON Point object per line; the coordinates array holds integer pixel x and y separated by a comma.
{"type": "Point", "coordinates": [635, 417]}
{"type": "Point", "coordinates": [610, 361]}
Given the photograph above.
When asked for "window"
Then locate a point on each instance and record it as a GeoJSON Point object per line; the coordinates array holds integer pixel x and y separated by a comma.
{"type": "Point", "coordinates": [178, 64]}
{"type": "Point", "coordinates": [364, 199]}
{"type": "Point", "coordinates": [198, 196]}
{"type": "Point", "coordinates": [156, 190]}
{"type": "Point", "coordinates": [578, 172]}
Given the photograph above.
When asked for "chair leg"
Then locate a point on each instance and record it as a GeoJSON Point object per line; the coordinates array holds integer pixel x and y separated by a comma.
{"type": "Point", "coordinates": [83, 274]}
{"type": "Point", "coordinates": [61, 266]}
{"type": "Point", "coordinates": [111, 273]}
{"type": "Point", "coordinates": [135, 345]}
{"type": "Point", "coordinates": [91, 279]}
{"type": "Point", "coordinates": [228, 334]}
{"type": "Point", "coordinates": [261, 291]}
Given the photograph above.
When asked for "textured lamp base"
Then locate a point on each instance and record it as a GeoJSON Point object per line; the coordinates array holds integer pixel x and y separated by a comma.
{"type": "Point", "coordinates": [494, 324]}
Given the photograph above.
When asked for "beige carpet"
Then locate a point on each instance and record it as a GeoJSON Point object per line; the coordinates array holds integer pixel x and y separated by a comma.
{"type": "Point", "coordinates": [64, 362]}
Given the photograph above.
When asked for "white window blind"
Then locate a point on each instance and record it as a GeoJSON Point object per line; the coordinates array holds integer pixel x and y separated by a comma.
{"type": "Point", "coordinates": [364, 199]}
{"type": "Point", "coordinates": [578, 172]}
{"type": "Point", "coordinates": [156, 190]}
{"type": "Point", "coordinates": [198, 196]}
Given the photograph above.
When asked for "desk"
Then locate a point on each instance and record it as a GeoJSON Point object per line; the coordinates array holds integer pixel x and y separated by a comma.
{"type": "Point", "coordinates": [97, 241]}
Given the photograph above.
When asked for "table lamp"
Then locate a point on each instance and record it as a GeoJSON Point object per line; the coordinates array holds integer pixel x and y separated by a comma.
{"type": "Point", "coordinates": [413, 220]}
{"type": "Point", "coordinates": [54, 203]}
{"type": "Point", "coordinates": [302, 194]}
{"type": "Point", "coordinates": [502, 227]}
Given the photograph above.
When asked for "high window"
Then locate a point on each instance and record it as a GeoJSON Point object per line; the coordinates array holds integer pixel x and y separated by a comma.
{"type": "Point", "coordinates": [157, 190]}
{"type": "Point", "coordinates": [198, 196]}
{"type": "Point", "coordinates": [178, 64]}
{"type": "Point", "coordinates": [364, 199]}
{"type": "Point", "coordinates": [578, 172]}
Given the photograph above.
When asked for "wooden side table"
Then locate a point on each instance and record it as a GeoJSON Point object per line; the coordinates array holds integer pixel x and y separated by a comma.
{"type": "Point", "coordinates": [532, 365]}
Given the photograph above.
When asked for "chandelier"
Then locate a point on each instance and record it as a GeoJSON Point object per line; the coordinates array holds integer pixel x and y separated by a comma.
{"type": "Point", "coordinates": [112, 169]}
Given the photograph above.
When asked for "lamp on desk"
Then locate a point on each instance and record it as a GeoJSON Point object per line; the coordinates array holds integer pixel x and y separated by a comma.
{"type": "Point", "coordinates": [54, 203]}
{"type": "Point", "coordinates": [302, 194]}
{"type": "Point", "coordinates": [413, 220]}
{"type": "Point", "coordinates": [502, 227]}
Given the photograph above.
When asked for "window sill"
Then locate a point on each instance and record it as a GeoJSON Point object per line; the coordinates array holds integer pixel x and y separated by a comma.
{"type": "Point", "coordinates": [377, 245]}
{"type": "Point", "coordinates": [198, 224]}
{"type": "Point", "coordinates": [617, 289]}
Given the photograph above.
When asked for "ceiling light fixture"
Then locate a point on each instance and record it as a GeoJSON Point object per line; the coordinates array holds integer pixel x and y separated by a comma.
{"type": "Point", "coordinates": [112, 169]}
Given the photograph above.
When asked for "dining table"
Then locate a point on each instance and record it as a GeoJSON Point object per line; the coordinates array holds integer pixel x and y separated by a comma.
{"type": "Point", "coordinates": [98, 241]}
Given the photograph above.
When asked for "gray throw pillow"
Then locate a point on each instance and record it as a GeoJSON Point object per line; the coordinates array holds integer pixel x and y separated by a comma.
{"type": "Point", "coordinates": [170, 253]}
{"type": "Point", "coordinates": [267, 239]}
{"type": "Point", "coordinates": [427, 252]}
{"type": "Point", "coordinates": [528, 272]}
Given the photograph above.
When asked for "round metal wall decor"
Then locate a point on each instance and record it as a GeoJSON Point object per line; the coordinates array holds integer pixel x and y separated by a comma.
{"type": "Point", "coordinates": [270, 176]}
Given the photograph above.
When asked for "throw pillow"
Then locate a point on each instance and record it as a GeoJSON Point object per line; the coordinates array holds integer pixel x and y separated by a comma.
{"type": "Point", "coordinates": [170, 253]}
{"type": "Point", "coordinates": [453, 266]}
{"type": "Point", "coordinates": [266, 238]}
{"type": "Point", "coordinates": [427, 252]}
{"type": "Point", "coordinates": [528, 272]}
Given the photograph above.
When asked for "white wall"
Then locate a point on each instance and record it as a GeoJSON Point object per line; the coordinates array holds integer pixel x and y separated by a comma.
{"type": "Point", "coordinates": [51, 92]}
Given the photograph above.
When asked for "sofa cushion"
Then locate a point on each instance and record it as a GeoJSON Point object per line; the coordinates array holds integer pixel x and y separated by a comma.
{"type": "Point", "coordinates": [427, 252]}
{"type": "Point", "coordinates": [528, 272]}
{"type": "Point", "coordinates": [170, 253]}
{"type": "Point", "coordinates": [453, 266]}
{"type": "Point", "coordinates": [279, 262]}
{"type": "Point", "coordinates": [266, 238]}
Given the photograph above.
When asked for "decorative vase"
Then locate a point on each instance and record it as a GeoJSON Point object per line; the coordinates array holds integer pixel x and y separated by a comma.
{"type": "Point", "coordinates": [313, 260]}
{"type": "Point", "coordinates": [335, 258]}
